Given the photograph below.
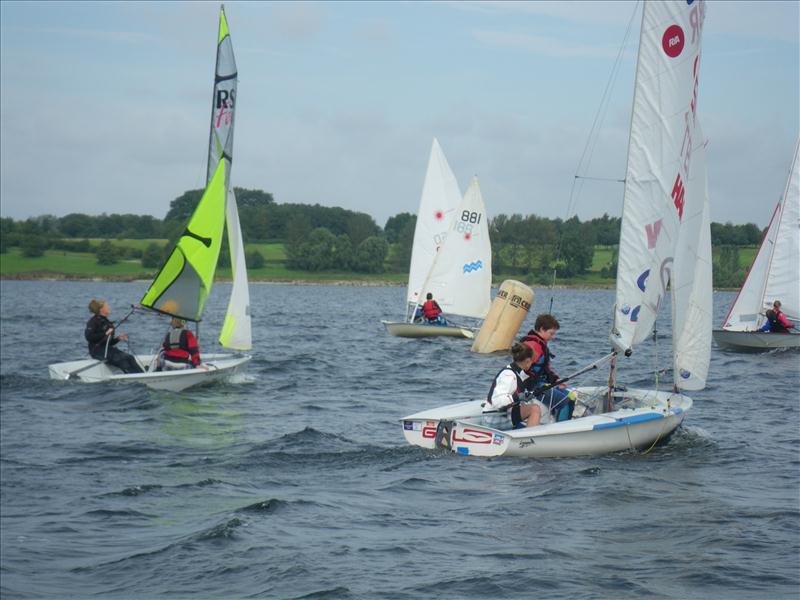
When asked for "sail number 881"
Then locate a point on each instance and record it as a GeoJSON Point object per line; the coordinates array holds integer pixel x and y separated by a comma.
{"type": "Point", "coordinates": [471, 217]}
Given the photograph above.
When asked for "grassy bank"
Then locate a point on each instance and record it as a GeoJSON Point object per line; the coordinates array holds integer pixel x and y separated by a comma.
{"type": "Point", "coordinates": [62, 264]}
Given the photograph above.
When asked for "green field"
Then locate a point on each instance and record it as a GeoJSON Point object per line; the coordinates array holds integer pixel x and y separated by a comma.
{"type": "Point", "coordinates": [81, 265]}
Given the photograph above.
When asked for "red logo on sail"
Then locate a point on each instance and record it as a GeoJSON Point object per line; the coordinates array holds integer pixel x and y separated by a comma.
{"type": "Point", "coordinates": [673, 41]}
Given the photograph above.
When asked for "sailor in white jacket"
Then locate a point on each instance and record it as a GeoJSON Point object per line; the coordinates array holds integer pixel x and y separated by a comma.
{"type": "Point", "coordinates": [504, 407]}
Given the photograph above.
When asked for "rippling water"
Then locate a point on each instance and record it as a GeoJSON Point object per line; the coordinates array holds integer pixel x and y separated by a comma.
{"type": "Point", "coordinates": [297, 483]}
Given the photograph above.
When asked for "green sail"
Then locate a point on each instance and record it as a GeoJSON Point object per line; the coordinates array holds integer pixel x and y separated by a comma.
{"type": "Point", "coordinates": [182, 285]}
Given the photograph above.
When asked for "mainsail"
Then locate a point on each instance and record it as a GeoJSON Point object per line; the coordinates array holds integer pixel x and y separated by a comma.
{"type": "Point", "coordinates": [236, 330]}
{"type": "Point", "coordinates": [664, 235]}
{"type": "Point", "coordinates": [775, 272]}
{"type": "Point", "coordinates": [182, 285]}
{"type": "Point", "coordinates": [460, 278]}
{"type": "Point", "coordinates": [437, 205]}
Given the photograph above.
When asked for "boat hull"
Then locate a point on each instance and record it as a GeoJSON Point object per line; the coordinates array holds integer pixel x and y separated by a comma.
{"type": "Point", "coordinates": [644, 419]}
{"type": "Point", "coordinates": [754, 341]}
{"type": "Point", "coordinates": [215, 367]}
{"type": "Point", "coordinates": [418, 330]}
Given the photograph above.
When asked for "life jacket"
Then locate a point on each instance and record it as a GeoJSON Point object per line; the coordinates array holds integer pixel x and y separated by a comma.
{"type": "Point", "coordinates": [430, 309]}
{"type": "Point", "coordinates": [541, 368]}
{"type": "Point", "coordinates": [775, 325]}
{"type": "Point", "coordinates": [521, 376]}
{"type": "Point", "coordinates": [176, 346]}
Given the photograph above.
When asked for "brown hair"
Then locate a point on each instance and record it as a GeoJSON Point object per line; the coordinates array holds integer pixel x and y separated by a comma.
{"type": "Point", "coordinates": [546, 321]}
{"type": "Point", "coordinates": [520, 352]}
{"type": "Point", "coordinates": [95, 306]}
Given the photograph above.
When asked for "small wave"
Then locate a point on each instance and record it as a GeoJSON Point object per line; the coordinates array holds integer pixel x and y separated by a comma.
{"type": "Point", "coordinates": [111, 514]}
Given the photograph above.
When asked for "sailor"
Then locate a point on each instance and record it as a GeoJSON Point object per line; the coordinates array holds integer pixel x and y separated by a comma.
{"type": "Point", "coordinates": [432, 311]}
{"type": "Point", "coordinates": [558, 399]}
{"type": "Point", "coordinates": [776, 320]}
{"type": "Point", "coordinates": [180, 349]}
{"type": "Point", "coordinates": [99, 333]}
{"type": "Point", "coordinates": [505, 407]}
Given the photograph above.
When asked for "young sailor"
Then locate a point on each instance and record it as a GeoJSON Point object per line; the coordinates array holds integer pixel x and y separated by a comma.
{"type": "Point", "coordinates": [557, 399]}
{"type": "Point", "coordinates": [99, 333]}
{"type": "Point", "coordinates": [504, 407]}
{"type": "Point", "coordinates": [180, 349]}
{"type": "Point", "coordinates": [432, 312]}
{"type": "Point", "coordinates": [776, 320]}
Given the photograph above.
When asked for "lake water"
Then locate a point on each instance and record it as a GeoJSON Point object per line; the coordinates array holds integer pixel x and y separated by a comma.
{"type": "Point", "coordinates": [297, 482]}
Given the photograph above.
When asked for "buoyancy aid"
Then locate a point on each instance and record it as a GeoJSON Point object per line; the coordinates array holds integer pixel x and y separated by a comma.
{"type": "Point", "coordinates": [179, 348]}
{"type": "Point", "coordinates": [540, 370]}
{"type": "Point", "coordinates": [521, 376]}
{"type": "Point", "coordinates": [775, 322]}
{"type": "Point", "coordinates": [430, 309]}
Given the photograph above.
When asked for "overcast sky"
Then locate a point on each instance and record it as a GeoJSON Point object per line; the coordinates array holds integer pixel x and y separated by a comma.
{"type": "Point", "coordinates": [106, 106]}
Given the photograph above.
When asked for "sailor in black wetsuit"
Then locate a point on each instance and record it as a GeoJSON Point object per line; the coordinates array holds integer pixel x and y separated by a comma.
{"type": "Point", "coordinates": [100, 335]}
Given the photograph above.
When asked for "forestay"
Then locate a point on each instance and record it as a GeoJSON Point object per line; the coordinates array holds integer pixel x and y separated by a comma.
{"type": "Point", "coordinates": [437, 206]}
{"type": "Point", "coordinates": [665, 198]}
{"type": "Point", "coordinates": [460, 278]}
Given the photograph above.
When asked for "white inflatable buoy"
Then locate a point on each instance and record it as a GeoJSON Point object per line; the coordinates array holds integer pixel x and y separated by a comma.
{"type": "Point", "coordinates": [509, 309]}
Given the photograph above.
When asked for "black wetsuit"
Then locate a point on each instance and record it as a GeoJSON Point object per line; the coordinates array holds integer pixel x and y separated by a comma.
{"type": "Point", "coordinates": [103, 348]}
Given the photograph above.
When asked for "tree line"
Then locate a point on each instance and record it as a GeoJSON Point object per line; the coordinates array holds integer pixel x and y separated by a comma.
{"type": "Point", "coordinates": [320, 238]}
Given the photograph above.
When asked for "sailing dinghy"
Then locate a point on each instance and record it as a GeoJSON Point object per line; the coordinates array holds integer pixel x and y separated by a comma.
{"type": "Point", "coordinates": [184, 282]}
{"type": "Point", "coordinates": [774, 275]}
{"type": "Point", "coordinates": [665, 238]}
{"type": "Point", "coordinates": [451, 256]}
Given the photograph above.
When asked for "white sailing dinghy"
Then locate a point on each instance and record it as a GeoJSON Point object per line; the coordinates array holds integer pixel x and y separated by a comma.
{"type": "Point", "coordinates": [665, 237]}
{"type": "Point", "coordinates": [451, 257]}
{"type": "Point", "coordinates": [774, 275]}
{"type": "Point", "coordinates": [184, 282]}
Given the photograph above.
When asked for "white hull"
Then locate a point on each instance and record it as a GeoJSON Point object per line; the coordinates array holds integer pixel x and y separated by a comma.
{"type": "Point", "coordinates": [754, 341]}
{"type": "Point", "coordinates": [418, 330]}
{"type": "Point", "coordinates": [642, 418]}
{"type": "Point", "coordinates": [215, 367]}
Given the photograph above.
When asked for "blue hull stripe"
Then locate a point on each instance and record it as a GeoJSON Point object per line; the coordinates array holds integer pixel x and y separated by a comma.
{"type": "Point", "coordinates": [632, 420]}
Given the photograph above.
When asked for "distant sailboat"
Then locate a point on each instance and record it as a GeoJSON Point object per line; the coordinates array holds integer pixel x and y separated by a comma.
{"type": "Point", "coordinates": [451, 255]}
{"type": "Point", "coordinates": [181, 287]}
{"type": "Point", "coordinates": [665, 238]}
{"type": "Point", "coordinates": [774, 275]}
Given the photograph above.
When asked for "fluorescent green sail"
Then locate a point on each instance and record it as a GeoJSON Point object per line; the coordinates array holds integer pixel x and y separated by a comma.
{"type": "Point", "coordinates": [182, 286]}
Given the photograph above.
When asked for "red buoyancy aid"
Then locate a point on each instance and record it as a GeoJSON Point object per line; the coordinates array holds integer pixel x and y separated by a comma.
{"type": "Point", "coordinates": [431, 309]}
{"type": "Point", "coordinates": [180, 345]}
{"type": "Point", "coordinates": [540, 369]}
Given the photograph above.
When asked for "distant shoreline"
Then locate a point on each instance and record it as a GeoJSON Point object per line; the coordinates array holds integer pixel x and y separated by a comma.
{"type": "Point", "coordinates": [294, 281]}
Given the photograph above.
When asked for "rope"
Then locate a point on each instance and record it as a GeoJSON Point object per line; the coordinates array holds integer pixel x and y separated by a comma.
{"type": "Point", "coordinates": [591, 144]}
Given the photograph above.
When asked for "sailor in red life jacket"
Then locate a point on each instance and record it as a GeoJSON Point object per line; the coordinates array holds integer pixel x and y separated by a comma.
{"type": "Point", "coordinates": [180, 349]}
{"type": "Point", "coordinates": [504, 407]}
{"type": "Point", "coordinates": [558, 399]}
{"type": "Point", "coordinates": [776, 320]}
{"type": "Point", "coordinates": [432, 312]}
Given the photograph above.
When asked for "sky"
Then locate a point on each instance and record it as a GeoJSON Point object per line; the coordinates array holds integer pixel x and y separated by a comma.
{"type": "Point", "coordinates": [105, 106]}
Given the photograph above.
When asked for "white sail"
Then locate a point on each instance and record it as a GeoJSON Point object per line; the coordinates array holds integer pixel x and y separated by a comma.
{"type": "Point", "coordinates": [236, 330]}
{"type": "Point", "coordinates": [783, 281]}
{"type": "Point", "coordinates": [664, 133]}
{"type": "Point", "coordinates": [460, 278]}
{"type": "Point", "coordinates": [437, 205]}
{"type": "Point", "coordinates": [775, 272]}
{"type": "Point", "coordinates": [690, 280]}
{"type": "Point", "coordinates": [223, 104]}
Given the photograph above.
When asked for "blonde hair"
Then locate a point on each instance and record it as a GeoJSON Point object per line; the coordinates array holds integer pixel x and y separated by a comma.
{"type": "Point", "coordinates": [96, 305]}
{"type": "Point", "coordinates": [176, 322]}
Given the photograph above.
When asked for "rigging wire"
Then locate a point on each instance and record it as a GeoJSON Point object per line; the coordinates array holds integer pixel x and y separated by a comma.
{"type": "Point", "coordinates": [591, 144]}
